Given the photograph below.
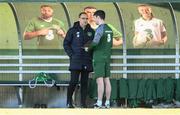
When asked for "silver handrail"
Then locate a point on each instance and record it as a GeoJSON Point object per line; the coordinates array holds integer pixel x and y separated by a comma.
{"type": "Point", "coordinates": [112, 57]}
{"type": "Point", "coordinates": [115, 64]}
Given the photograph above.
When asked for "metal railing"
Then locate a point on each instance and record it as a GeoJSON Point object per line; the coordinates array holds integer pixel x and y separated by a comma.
{"type": "Point", "coordinates": [114, 57]}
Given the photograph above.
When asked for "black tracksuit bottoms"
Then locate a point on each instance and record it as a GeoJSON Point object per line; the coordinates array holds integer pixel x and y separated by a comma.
{"type": "Point", "coordinates": [73, 83]}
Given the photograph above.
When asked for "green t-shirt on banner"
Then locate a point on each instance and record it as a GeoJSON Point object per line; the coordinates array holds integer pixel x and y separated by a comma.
{"type": "Point", "coordinates": [50, 41]}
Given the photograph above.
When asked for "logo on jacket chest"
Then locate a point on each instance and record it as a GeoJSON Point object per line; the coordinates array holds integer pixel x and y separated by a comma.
{"type": "Point", "coordinates": [77, 34]}
{"type": "Point", "coordinates": [89, 34]}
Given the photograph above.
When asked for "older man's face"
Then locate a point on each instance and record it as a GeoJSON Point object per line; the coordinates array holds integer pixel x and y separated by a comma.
{"type": "Point", "coordinates": [83, 19]}
{"type": "Point", "coordinates": [46, 12]}
{"type": "Point", "coordinates": [90, 12]}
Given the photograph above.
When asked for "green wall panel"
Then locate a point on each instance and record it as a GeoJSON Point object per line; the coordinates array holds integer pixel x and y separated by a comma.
{"type": "Point", "coordinates": [8, 31]}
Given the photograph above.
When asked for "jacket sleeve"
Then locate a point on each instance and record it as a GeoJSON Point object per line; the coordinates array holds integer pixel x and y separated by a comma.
{"type": "Point", "coordinates": [67, 43]}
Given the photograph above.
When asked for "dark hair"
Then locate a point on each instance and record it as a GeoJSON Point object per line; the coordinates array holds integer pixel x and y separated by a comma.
{"type": "Point", "coordinates": [45, 5]}
{"type": "Point", "coordinates": [100, 13]}
{"type": "Point", "coordinates": [82, 13]}
{"type": "Point", "coordinates": [89, 7]}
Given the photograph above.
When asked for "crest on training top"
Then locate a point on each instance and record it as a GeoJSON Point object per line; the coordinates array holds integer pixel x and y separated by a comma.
{"type": "Point", "coordinates": [89, 34]}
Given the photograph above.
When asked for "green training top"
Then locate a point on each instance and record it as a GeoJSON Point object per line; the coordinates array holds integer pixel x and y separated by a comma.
{"type": "Point", "coordinates": [102, 43]}
{"type": "Point", "coordinates": [52, 41]}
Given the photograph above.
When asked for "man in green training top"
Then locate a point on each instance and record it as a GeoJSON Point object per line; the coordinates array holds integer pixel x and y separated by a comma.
{"type": "Point", "coordinates": [101, 46]}
{"type": "Point", "coordinates": [46, 29]}
{"type": "Point", "coordinates": [117, 36]}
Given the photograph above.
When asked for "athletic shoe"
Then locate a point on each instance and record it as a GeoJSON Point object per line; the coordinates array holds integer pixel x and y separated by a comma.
{"type": "Point", "coordinates": [97, 106]}
{"type": "Point", "coordinates": [107, 106]}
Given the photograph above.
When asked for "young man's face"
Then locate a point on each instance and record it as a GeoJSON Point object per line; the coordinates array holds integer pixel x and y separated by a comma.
{"type": "Point", "coordinates": [90, 12]}
{"type": "Point", "coordinates": [83, 19]}
{"type": "Point", "coordinates": [145, 12]}
{"type": "Point", "coordinates": [96, 19]}
{"type": "Point", "coordinates": [46, 12]}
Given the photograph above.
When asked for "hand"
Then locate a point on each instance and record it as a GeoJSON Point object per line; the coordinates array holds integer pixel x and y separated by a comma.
{"type": "Point", "coordinates": [86, 49]}
{"type": "Point", "coordinates": [117, 42]}
{"type": "Point", "coordinates": [162, 42]}
{"type": "Point", "coordinates": [43, 32]}
{"type": "Point", "coordinates": [56, 27]}
{"type": "Point", "coordinates": [156, 43]}
{"type": "Point", "coordinates": [61, 33]}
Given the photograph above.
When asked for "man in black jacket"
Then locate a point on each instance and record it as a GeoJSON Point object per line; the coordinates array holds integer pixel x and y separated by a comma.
{"type": "Point", "coordinates": [80, 60]}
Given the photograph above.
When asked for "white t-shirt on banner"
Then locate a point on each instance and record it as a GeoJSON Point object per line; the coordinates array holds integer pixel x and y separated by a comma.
{"type": "Point", "coordinates": [149, 31]}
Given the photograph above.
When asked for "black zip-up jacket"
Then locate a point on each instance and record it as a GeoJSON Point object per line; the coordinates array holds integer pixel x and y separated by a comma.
{"type": "Point", "coordinates": [74, 41]}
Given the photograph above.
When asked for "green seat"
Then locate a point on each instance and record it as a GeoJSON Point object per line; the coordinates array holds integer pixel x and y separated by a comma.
{"type": "Point", "coordinates": [141, 89]}
{"type": "Point", "coordinates": [114, 89]}
{"type": "Point", "coordinates": [169, 89]}
{"type": "Point", "coordinates": [150, 90]}
{"type": "Point", "coordinates": [132, 88]}
{"type": "Point", "coordinates": [159, 88]}
{"type": "Point", "coordinates": [123, 88]}
{"type": "Point", "coordinates": [177, 90]}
